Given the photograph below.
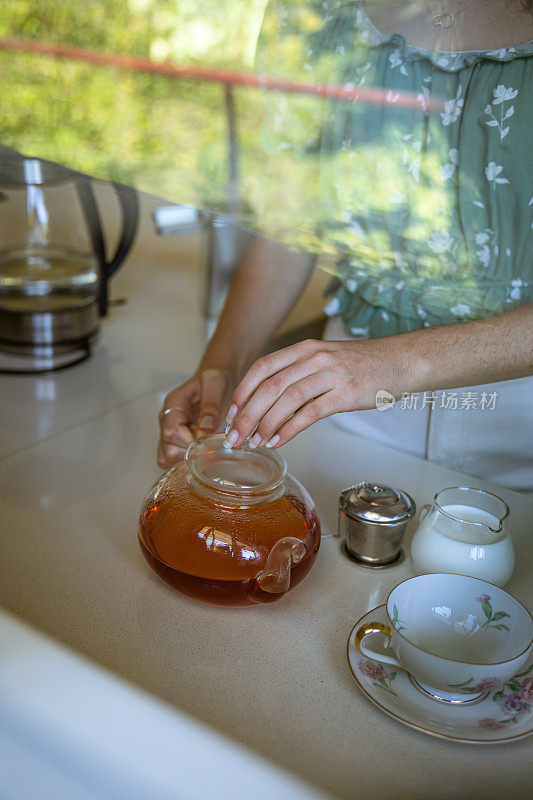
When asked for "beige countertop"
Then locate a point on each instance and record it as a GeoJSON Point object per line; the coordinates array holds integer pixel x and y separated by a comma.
{"type": "Point", "coordinates": [76, 458]}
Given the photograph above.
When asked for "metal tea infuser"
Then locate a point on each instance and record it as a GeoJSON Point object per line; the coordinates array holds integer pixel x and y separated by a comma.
{"type": "Point", "coordinates": [372, 520]}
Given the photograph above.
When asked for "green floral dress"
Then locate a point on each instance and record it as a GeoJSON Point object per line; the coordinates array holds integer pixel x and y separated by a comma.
{"type": "Point", "coordinates": [423, 196]}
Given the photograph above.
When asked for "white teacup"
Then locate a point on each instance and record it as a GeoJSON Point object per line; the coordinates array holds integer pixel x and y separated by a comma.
{"type": "Point", "coordinates": [457, 636]}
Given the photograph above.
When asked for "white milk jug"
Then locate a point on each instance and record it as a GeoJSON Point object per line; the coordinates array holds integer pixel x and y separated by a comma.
{"type": "Point", "coordinates": [464, 532]}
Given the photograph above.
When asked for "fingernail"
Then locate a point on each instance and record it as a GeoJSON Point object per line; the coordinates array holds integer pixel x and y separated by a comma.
{"type": "Point", "coordinates": [232, 412]}
{"type": "Point", "coordinates": [231, 438]}
{"type": "Point", "coordinates": [255, 441]}
{"type": "Point", "coordinates": [206, 422]}
{"type": "Point", "coordinates": [273, 442]}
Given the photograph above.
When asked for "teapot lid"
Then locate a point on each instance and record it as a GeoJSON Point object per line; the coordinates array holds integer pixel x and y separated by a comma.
{"type": "Point", "coordinates": [374, 503]}
{"type": "Point", "coordinates": [239, 475]}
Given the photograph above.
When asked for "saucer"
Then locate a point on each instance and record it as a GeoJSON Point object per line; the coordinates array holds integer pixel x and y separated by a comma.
{"type": "Point", "coordinates": [503, 715]}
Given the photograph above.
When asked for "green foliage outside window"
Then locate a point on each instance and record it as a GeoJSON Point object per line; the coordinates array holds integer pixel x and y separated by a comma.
{"type": "Point", "coordinates": [167, 136]}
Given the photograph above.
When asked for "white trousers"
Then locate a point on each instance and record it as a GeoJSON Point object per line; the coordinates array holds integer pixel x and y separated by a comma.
{"type": "Point", "coordinates": [485, 431]}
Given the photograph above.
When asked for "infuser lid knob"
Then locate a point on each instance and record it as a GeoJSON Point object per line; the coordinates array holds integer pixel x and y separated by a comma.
{"type": "Point", "coordinates": [373, 502]}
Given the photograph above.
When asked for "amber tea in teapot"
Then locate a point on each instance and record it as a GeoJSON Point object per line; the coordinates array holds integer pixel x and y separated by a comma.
{"type": "Point", "coordinates": [229, 527]}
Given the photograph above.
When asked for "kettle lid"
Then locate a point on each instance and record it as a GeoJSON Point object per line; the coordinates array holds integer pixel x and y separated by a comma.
{"type": "Point", "coordinates": [375, 503]}
{"type": "Point", "coordinates": [16, 170]}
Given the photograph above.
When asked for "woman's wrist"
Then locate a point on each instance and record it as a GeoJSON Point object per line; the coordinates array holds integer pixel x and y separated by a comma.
{"type": "Point", "coordinates": [230, 367]}
{"type": "Point", "coordinates": [432, 359]}
{"type": "Point", "coordinates": [417, 369]}
{"type": "Point", "coordinates": [400, 364]}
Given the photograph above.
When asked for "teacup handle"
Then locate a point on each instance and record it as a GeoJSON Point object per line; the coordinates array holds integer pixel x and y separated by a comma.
{"type": "Point", "coordinates": [366, 630]}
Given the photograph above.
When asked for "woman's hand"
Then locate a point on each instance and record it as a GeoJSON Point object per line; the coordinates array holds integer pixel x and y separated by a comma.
{"type": "Point", "coordinates": [287, 391]}
{"type": "Point", "coordinates": [192, 410]}
{"type": "Point", "coordinates": [266, 285]}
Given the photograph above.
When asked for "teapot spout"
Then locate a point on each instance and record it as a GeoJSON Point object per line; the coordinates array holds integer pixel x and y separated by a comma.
{"type": "Point", "coordinates": [275, 578]}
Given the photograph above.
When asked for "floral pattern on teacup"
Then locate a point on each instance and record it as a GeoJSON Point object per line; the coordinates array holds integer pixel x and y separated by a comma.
{"type": "Point", "coordinates": [398, 623]}
{"type": "Point", "coordinates": [513, 700]}
{"type": "Point", "coordinates": [493, 618]}
{"type": "Point", "coordinates": [378, 674]}
{"type": "Point", "coordinates": [484, 685]}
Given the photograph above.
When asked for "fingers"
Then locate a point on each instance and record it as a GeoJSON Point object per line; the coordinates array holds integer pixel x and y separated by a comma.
{"type": "Point", "coordinates": [175, 436]}
{"type": "Point", "coordinates": [200, 398]}
{"type": "Point", "coordinates": [319, 408]}
{"type": "Point", "coordinates": [213, 391]}
{"type": "Point", "coordinates": [174, 426]}
{"type": "Point", "coordinates": [269, 365]}
{"type": "Point", "coordinates": [268, 416]}
{"type": "Point", "coordinates": [294, 375]}
{"type": "Point", "coordinates": [169, 454]}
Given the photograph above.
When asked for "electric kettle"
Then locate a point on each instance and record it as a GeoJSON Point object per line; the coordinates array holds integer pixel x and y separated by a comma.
{"type": "Point", "coordinates": [53, 263]}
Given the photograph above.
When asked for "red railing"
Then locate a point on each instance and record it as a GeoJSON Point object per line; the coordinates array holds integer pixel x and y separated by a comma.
{"type": "Point", "coordinates": [214, 74]}
{"type": "Point", "coordinates": [228, 79]}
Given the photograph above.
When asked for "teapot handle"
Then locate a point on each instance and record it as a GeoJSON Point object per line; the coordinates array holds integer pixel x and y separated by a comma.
{"type": "Point", "coordinates": [274, 579]}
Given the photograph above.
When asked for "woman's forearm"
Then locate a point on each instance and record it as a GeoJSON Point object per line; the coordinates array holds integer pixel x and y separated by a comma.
{"type": "Point", "coordinates": [265, 288]}
{"type": "Point", "coordinates": [465, 354]}
{"type": "Point", "coordinates": [266, 285]}
{"type": "Point", "coordinates": [286, 392]}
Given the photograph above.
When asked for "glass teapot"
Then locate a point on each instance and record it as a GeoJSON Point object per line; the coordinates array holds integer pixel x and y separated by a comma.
{"type": "Point", "coordinates": [229, 527]}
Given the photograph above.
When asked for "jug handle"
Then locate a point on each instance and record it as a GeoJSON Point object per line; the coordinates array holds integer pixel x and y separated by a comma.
{"type": "Point", "coordinates": [424, 511]}
{"type": "Point", "coordinates": [275, 578]}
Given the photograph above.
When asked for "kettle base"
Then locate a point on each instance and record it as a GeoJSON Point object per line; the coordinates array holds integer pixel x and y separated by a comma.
{"type": "Point", "coordinates": [27, 360]}
{"type": "Point", "coordinates": [33, 341]}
